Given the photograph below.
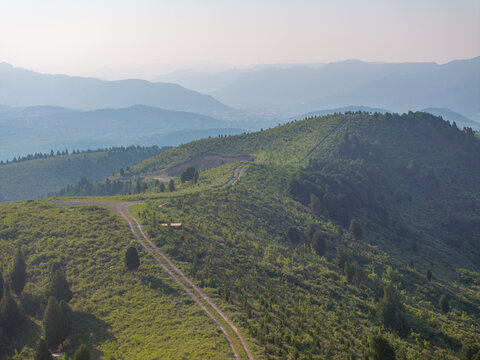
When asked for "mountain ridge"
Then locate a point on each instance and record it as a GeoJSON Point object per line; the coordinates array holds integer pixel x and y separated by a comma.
{"type": "Point", "coordinates": [20, 87]}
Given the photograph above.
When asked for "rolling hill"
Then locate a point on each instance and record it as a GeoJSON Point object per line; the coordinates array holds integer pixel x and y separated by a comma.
{"type": "Point", "coordinates": [43, 128]}
{"type": "Point", "coordinates": [20, 88]}
{"type": "Point", "coordinates": [344, 232]}
{"type": "Point", "coordinates": [39, 177]}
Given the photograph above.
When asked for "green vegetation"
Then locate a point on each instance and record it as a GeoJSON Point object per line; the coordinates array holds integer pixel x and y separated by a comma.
{"type": "Point", "coordinates": [43, 175]}
{"type": "Point", "coordinates": [82, 353]}
{"type": "Point", "coordinates": [115, 313]}
{"type": "Point", "coordinates": [381, 349]}
{"type": "Point", "coordinates": [132, 260]}
{"type": "Point", "coordinates": [17, 274]}
{"type": "Point", "coordinates": [55, 324]}
{"type": "Point", "coordinates": [320, 256]}
{"type": "Point", "coordinates": [41, 351]}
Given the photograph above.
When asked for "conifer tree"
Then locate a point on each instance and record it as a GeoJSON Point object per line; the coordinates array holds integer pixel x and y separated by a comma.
{"type": "Point", "coordinates": [41, 351]}
{"type": "Point", "coordinates": [319, 243]}
{"type": "Point", "coordinates": [355, 229]}
{"type": "Point", "coordinates": [391, 312]}
{"type": "Point", "coordinates": [9, 314]}
{"type": "Point", "coordinates": [55, 325]}
{"type": "Point", "coordinates": [381, 349]}
{"type": "Point", "coordinates": [67, 312]}
{"type": "Point", "coordinates": [58, 287]}
{"type": "Point", "coordinates": [294, 235]}
{"type": "Point", "coordinates": [82, 353]}
{"type": "Point", "coordinates": [171, 185]}
{"type": "Point", "coordinates": [429, 275]}
{"type": "Point", "coordinates": [17, 274]}
{"type": "Point", "coordinates": [131, 258]}
{"type": "Point", "coordinates": [444, 305]}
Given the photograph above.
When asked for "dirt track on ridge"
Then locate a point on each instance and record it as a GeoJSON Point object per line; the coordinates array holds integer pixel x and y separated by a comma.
{"type": "Point", "coordinates": [202, 299]}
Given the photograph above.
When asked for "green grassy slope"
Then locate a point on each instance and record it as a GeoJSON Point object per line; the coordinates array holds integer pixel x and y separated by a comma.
{"type": "Point", "coordinates": [120, 315]}
{"type": "Point", "coordinates": [283, 144]}
{"type": "Point", "coordinates": [411, 181]}
{"type": "Point", "coordinates": [33, 178]}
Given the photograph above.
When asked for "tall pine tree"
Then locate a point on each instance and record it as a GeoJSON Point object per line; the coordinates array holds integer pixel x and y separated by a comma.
{"type": "Point", "coordinates": [58, 287]}
{"type": "Point", "coordinates": [55, 324]}
{"type": "Point", "coordinates": [82, 353]}
{"type": "Point", "coordinates": [9, 314]}
{"type": "Point", "coordinates": [41, 351]}
{"type": "Point", "coordinates": [18, 273]}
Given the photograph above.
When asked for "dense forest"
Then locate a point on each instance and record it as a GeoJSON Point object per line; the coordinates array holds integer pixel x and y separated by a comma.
{"type": "Point", "coordinates": [349, 236]}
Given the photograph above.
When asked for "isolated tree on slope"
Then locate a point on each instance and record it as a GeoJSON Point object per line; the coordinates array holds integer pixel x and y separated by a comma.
{"type": "Point", "coordinates": [444, 305]}
{"type": "Point", "coordinates": [41, 351]}
{"type": "Point", "coordinates": [18, 273]}
{"type": "Point", "coordinates": [381, 349]}
{"type": "Point", "coordinates": [8, 311]}
{"type": "Point", "coordinates": [131, 258]}
{"type": "Point", "coordinates": [319, 243]}
{"type": "Point", "coordinates": [58, 287]}
{"type": "Point", "coordinates": [55, 324]}
{"type": "Point", "coordinates": [294, 235]}
{"type": "Point", "coordinates": [82, 353]}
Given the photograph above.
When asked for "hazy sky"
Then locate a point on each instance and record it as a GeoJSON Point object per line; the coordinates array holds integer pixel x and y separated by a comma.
{"type": "Point", "coordinates": [82, 36]}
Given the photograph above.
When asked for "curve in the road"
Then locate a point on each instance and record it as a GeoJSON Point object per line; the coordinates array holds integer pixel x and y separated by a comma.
{"type": "Point", "coordinates": [197, 295]}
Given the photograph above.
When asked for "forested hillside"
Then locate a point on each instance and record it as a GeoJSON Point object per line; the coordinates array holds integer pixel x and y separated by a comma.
{"type": "Point", "coordinates": [40, 174]}
{"type": "Point", "coordinates": [349, 236]}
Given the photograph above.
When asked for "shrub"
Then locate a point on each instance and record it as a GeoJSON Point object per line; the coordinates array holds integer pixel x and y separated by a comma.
{"type": "Point", "coordinates": [132, 260]}
{"type": "Point", "coordinates": [444, 305]}
{"type": "Point", "coordinates": [355, 229]}
{"type": "Point", "coordinates": [294, 235]}
{"type": "Point", "coordinates": [381, 349]}
{"type": "Point", "coordinates": [310, 230]}
{"type": "Point", "coordinates": [470, 351]}
{"type": "Point", "coordinates": [319, 243]}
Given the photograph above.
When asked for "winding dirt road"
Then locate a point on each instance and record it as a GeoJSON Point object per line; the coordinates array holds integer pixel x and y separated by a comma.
{"type": "Point", "coordinates": [237, 174]}
{"type": "Point", "coordinates": [203, 300]}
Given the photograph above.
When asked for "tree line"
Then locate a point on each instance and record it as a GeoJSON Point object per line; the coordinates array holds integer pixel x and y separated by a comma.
{"type": "Point", "coordinates": [51, 154]}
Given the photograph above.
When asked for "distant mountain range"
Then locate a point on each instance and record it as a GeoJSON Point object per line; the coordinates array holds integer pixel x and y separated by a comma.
{"type": "Point", "coordinates": [399, 87]}
{"type": "Point", "coordinates": [20, 88]}
{"type": "Point", "coordinates": [42, 128]}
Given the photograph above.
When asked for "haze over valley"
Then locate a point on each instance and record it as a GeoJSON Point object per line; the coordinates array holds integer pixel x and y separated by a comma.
{"type": "Point", "coordinates": [248, 180]}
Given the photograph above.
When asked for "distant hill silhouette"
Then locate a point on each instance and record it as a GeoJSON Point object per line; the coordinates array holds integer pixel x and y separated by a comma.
{"type": "Point", "coordinates": [26, 131]}
{"type": "Point", "coordinates": [399, 87]}
{"type": "Point", "coordinates": [447, 114]}
{"type": "Point", "coordinates": [20, 87]}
